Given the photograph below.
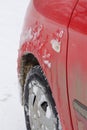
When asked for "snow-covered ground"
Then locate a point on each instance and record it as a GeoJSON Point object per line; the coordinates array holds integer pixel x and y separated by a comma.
{"type": "Point", "coordinates": [11, 20]}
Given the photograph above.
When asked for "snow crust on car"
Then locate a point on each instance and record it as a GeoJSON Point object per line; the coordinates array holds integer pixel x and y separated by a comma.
{"type": "Point", "coordinates": [31, 34]}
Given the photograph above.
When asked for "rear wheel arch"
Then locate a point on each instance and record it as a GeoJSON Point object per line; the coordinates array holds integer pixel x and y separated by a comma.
{"type": "Point", "coordinates": [27, 61]}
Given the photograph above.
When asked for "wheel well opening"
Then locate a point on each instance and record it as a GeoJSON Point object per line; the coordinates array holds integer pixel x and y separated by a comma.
{"type": "Point", "coordinates": [27, 62]}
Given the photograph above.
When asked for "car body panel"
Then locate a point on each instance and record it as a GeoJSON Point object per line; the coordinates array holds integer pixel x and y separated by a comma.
{"type": "Point", "coordinates": [77, 65]}
{"type": "Point", "coordinates": [57, 10]}
{"type": "Point", "coordinates": [45, 35]}
{"type": "Point", "coordinates": [42, 49]}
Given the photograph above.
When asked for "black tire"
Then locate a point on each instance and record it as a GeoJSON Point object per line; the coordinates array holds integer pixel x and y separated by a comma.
{"type": "Point", "coordinates": [36, 111]}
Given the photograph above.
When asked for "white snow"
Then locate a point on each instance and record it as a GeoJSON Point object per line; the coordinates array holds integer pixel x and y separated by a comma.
{"type": "Point", "coordinates": [61, 34]}
{"type": "Point", "coordinates": [56, 45]}
{"type": "Point", "coordinates": [46, 62]}
{"type": "Point", "coordinates": [35, 90]}
{"type": "Point", "coordinates": [46, 54]}
{"type": "Point", "coordinates": [43, 98]}
{"type": "Point", "coordinates": [48, 112]}
{"type": "Point", "coordinates": [32, 34]}
{"type": "Point", "coordinates": [60, 126]}
{"type": "Point", "coordinates": [11, 20]}
{"type": "Point", "coordinates": [27, 36]}
{"type": "Point", "coordinates": [38, 112]}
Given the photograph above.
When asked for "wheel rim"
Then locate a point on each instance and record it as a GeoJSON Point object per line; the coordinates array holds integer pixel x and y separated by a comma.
{"type": "Point", "coordinates": [41, 115]}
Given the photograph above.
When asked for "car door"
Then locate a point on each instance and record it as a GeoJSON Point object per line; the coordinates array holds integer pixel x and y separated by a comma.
{"type": "Point", "coordinates": [77, 66]}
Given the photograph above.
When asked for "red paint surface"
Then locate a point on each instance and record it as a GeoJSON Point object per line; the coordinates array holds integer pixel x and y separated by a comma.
{"type": "Point", "coordinates": [82, 122]}
{"type": "Point", "coordinates": [54, 16]}
{"type": "Point", "coordinates": [77, 58]}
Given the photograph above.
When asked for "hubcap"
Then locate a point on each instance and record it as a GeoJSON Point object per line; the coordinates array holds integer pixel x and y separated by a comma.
{"type": "Point", "coordinates": [41, 115]}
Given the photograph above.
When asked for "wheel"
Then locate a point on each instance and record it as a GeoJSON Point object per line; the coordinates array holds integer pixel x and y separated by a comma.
{"type": "Point", "coordinates": [39, 106]}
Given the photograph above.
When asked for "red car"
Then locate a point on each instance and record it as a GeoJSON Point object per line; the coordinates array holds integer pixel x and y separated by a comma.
{"type": "Point", "coordinates": [52, 65]}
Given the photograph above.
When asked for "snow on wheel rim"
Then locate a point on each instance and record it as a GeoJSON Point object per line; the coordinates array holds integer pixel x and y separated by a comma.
{"type": "Point", "coordinates": [41, 115]}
